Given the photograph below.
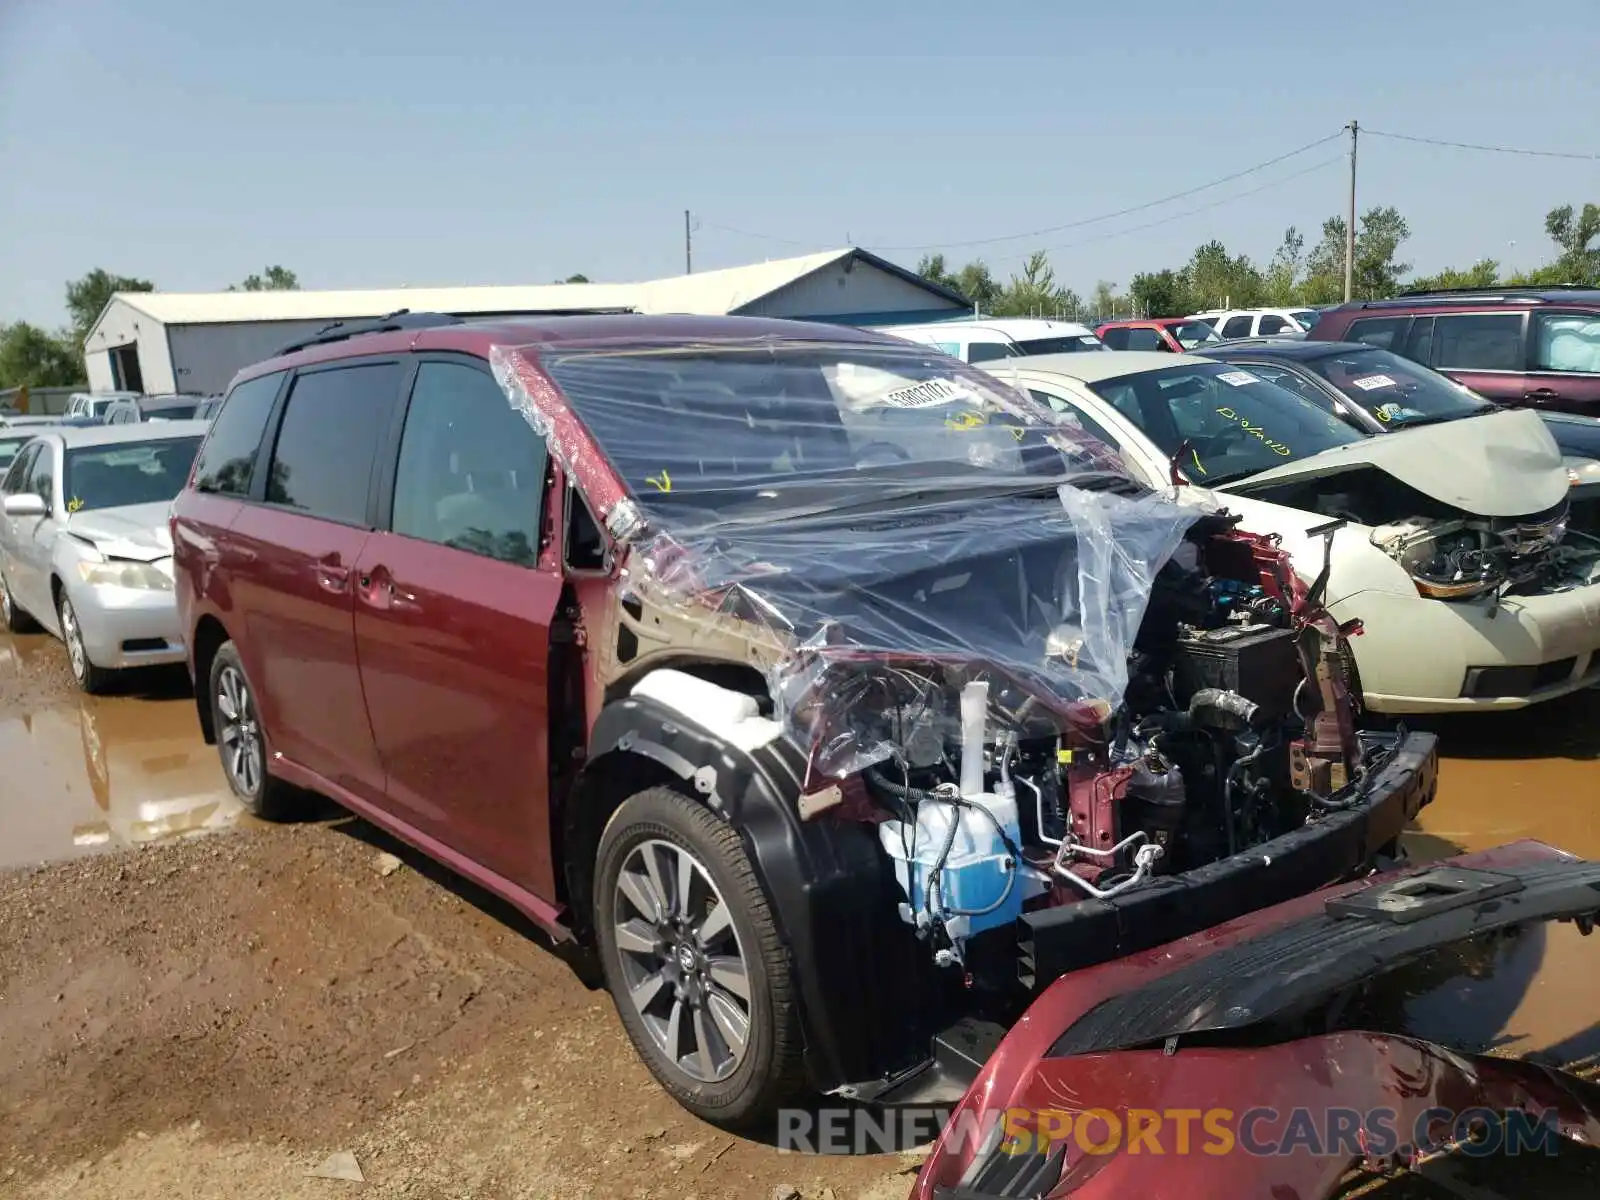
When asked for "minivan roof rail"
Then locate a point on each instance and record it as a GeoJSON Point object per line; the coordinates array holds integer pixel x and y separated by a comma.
{"type": "Point", "coordinates": [1502, 289]}
{"type": "Point", "coordinates": [402, 318]}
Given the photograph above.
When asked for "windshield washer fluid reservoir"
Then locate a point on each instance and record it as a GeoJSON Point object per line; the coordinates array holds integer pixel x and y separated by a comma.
{"type": "Point", "coordinates": [981, 885]}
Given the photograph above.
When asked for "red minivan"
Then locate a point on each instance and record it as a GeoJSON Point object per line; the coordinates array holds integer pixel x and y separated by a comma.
{"type": "Point", "coordinates": [677, 632]}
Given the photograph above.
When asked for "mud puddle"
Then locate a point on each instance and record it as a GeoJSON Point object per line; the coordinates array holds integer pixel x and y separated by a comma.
{"type": "Point", "coordinates": [81, 772]}
{"type": "Point", "coordinates": [1504, 777]}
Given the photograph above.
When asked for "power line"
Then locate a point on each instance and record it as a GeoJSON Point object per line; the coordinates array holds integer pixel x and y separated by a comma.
{"type": "Point", "coordinates": [1189, 212]}
{"type": "Point", "coordinates": [1406, 137]}
{"type": "Point", "coordinates": [1095, 220]}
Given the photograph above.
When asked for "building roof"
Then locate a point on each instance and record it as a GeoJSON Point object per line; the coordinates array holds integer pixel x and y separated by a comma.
{"type": "Point", "coordinates": [706, 292]}
{"type": "Point", "coordinates": [554, 333]}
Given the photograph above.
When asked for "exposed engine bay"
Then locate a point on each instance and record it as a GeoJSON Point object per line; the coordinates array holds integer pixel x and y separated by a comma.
{"type": "Point", "coordinates": [1450, 553]}
{"type": "Point", "coordinates": [992, 795]}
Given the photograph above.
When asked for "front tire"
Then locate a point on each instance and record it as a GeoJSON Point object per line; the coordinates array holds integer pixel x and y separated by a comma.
{"type": "Point", "coordinates": [91, 678]}
{"type": "Point", "coordinates": [241, 742]}
{"type": "Point", "coordinates": [694, 960]}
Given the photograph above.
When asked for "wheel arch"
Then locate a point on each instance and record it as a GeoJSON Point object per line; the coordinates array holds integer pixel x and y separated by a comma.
{"type": "Point", "coordinates": [867, 1005]}
{"type": "Point", "coordinates": [210, 635]}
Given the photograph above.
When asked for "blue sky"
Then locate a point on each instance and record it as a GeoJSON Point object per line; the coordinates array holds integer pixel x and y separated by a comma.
{"type": "Point", "coordinates": [512, 142]}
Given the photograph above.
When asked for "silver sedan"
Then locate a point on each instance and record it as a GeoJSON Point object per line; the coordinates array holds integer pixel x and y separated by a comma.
{"type": "Point", "coordinates": [85, 550]}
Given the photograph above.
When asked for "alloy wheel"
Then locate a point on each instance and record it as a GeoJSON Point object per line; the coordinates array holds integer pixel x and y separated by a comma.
{"type": "Point", "coordinates": [239, 732]}
{"type": "Point", "coordinates": [73, 637]}
{"type": "Point", "coordinates": [684, 968]}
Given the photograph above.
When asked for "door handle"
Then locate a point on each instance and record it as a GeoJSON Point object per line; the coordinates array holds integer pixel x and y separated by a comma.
{"type": "Point", "coordinates": [332, 578]}
{"type": "Point", "coordinates": [379, 589]}
{"type": "Point", "coordinates": [1543, 393]}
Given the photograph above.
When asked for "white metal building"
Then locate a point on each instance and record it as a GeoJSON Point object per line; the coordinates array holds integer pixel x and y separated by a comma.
{"type": "Point", "coordinates": [196, 341]}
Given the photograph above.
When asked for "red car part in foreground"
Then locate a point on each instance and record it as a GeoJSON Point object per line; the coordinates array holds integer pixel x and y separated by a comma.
{"type": "Point", "coordinates": [1236, 1036]}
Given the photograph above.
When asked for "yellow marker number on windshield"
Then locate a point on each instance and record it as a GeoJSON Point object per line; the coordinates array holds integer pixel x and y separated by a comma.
{"type": "Point", "coordinates": [661, 482]}
{"type": "Point", "coordinates": [1255, 431]}
{"type": "Point", "coordinates": [74, 505]}
{"type": "Point", "coordinates": [965, 419]}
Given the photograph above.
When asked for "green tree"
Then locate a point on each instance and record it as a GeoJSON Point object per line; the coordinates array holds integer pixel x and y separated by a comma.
{"type": "Point", "coordinates": [973, 280]}
{"type": "Point", "coordinates": [1377, 272]}
{"type": "Point", "coordinates": [87, 297]}
{"type": "Point", "coordinates": [975, 283]}
{"type": "Point", "coordinates": [1035, 293]}
{"type": "Point", "coordinates": [1281, 283]}
{"type": "Point", "coordinates": [1573, 232]}
{"type": "Point", "coordinates": [30, 355]}
{"type": "Point", "coordinates": [579, 278]}
{"type": "Point", "coordinates": [932, 268]}
{"type": "Point", "coordinates": [273, 279]}
{"type": "Point", "coordinates": [1483, 273]}
{"type": "Point", "coordinates": [1217, 279]}
{"type": "Point", "coordinates": [1162, 293]}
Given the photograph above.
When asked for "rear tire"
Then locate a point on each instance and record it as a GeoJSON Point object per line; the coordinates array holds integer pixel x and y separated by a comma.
{"type": "Point", "coordinates": [241, 742]}
{"type": "Point", "coordinates": [677, 955]}
{"type": "Point", "coordinates": [14, 618]}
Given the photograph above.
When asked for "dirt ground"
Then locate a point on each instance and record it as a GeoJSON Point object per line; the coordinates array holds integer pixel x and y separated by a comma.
{"type": "Point", "coordinates": [215, 1016]}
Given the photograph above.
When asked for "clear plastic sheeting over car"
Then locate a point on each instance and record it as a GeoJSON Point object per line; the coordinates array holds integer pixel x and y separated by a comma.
{"type": "Point", "coordinates": [900, 525]}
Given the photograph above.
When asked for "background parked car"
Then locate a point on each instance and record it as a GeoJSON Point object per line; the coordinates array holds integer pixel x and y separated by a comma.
{"type": "Point", "coordinates": [1377, 391]}
{"type": "Point", "coordinates": [1258, 322]}
{"type": "Point", "coordinates": [1179, 335]}
{"type": "Point", "coordinates": [94, 404]}
{"type": "Point", "coordinates": [1459, 611]}
{"type": "Point", "coordinates": [1538, 347]}
{"type": "Point", "coordinates": [173, 407]}
{"type": "Point", "coordinates": [84, 546]}
{"type": "Point", "coordinates": [998, 337]}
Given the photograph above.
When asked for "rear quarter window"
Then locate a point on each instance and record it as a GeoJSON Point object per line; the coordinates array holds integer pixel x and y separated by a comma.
{"type": "Point", "coordinates": [228, 459]}
{"type": "Point", "coordinates": [1378, 331]}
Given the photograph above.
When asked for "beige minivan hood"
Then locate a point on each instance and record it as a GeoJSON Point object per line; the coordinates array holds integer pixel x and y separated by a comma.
{"type": "Point", "coordinates": [1504, 464]}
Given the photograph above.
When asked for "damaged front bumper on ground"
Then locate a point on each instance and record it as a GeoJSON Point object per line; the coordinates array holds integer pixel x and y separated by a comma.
{"type": "Point", "coordinates": [1230, 1064]}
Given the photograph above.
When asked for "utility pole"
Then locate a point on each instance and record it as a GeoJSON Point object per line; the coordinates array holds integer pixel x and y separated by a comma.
{"type": "Point", "coordinates": [1350, 221]}
{"type": "Point", "coordinates": [688, 249]}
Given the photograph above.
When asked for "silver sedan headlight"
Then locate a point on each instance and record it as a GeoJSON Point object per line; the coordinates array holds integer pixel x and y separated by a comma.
{"type": "Point", "coordinates": [127, 574]}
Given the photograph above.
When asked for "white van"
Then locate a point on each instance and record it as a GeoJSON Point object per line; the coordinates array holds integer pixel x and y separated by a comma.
{"type": "Point", "coordinates": [987, 338]}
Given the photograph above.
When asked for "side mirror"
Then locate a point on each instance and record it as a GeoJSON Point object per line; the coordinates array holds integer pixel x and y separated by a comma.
{"type": "Point", "coordinates": [25, 504]}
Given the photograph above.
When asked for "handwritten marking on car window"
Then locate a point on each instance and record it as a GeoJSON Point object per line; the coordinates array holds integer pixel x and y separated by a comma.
{"type": "Point", "coordinates": [661, 482]}
{"type": "Point", "coordinates": [74, 504]}
{"type": "Point", "coordinates": [1255, 431]}
{"type": "Point", "coordinates": [965, 419]}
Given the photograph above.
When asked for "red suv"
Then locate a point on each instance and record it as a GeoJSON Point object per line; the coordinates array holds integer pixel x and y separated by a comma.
{"type": "Point", "coordinates": [1538, 347]}
{"type": "Point", "coordinates": [824, 684]}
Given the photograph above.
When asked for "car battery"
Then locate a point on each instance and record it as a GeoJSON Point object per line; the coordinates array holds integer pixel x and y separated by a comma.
{"type": "Point", "coordinates": [1260, 662]}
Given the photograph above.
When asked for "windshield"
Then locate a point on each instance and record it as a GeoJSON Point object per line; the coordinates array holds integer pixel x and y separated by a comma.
{"type": "Point", "coordinates": [1061, 345]}
{"type": "Point", "coordinates": [171, 412]}
{"type": "Point", "coordinates": [780, 429]}
{"type": "Point", "coordinates": [1234, 422]}
{"type": "Point", "coordinates": [10, 447]}
{"type": "Point", "coordinates": [1190, 334]}
{"type": "Point", "coordinates": [1308, 317]}
{"type": "Point", "coordinates": [115, 475]}
{"type": "Point", "coordinates": [1397, 391]}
